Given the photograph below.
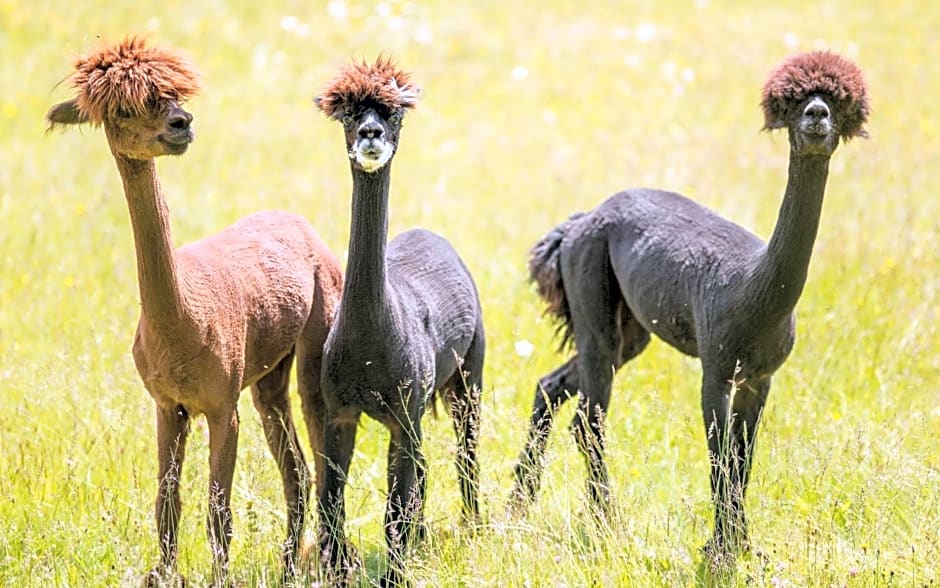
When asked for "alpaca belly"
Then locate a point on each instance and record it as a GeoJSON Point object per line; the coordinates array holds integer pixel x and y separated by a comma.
{"type": "Point", "coordinates": [677, 328]}
{"type": "Point", "coordinates": [677, 332]}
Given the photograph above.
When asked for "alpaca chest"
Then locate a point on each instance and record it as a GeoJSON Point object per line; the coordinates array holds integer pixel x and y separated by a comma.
{"type": "Point", "coordinates": [173, 374]}
{"type": "Point", "coordinates": [377, 381]}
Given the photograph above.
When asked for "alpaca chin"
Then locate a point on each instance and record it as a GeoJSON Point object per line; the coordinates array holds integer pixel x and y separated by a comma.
{"type": "Point", "coordinates": [371, 163]}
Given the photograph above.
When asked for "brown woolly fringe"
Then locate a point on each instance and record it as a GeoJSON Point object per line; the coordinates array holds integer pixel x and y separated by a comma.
{"type": "Point", "coordinates": [381, 82]}
{"type": "Point", "coordinates": [130, 77]}
{"type": "Point", "coordinates": [817, 72]}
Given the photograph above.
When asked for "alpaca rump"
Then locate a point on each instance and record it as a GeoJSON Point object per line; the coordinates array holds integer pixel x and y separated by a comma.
{"type": "Point", "coordinates": [224, 313]}
{"type": "Point", "coordinates": [545, 274]}
{"type": "Point", "coordinates": [361, 84]}
{"type": "Point", "coordinates": [129, 77]}
{"type": "Point", "coordinates": [817, 72]}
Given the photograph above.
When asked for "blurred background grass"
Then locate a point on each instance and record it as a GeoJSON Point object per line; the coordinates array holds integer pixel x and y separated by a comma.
{"type": "Point", "coordinates": [531, 111]}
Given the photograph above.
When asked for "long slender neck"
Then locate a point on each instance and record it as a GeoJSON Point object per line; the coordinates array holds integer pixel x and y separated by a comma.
{"type": "Point", "coordinates": [157, 273]}
{"type": "Point", "coordinates": [781, 273]}
{"type": "Point", "coordinates": [364, 292]}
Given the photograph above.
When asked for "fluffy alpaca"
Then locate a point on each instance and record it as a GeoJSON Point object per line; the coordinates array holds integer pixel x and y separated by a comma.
{"type": "Point", "coordinates": [409, 324]}
{"type": "Point", "coordinates": [218, 315]}
{"type": "Point", "coordinates": [648, 261]}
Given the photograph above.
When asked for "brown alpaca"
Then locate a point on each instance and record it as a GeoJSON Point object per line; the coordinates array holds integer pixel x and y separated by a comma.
{"type": "Point", "coordinates": [218, 315]}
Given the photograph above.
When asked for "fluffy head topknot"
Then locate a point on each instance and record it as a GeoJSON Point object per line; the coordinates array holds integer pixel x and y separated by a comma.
{"type": "Point", "coordinates": [381, 83]}
{"type": "Point", "coordinates": [817, 72]}
{"type": "Point", "coordinates": [129, 76]}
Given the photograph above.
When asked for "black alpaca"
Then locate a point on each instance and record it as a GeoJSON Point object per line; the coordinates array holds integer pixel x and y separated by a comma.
{"type": "Point", "coordinates": [409, 324]}
{"type": "Point", "coordinates": [649, 261]}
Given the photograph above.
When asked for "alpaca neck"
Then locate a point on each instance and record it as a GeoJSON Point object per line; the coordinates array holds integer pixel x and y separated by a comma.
{"type": "Point", "coordinates": [781, 272]}
{"type": "Point", "coordinates": [157, 273]}
{"type": "Point", "coordinates": [364, 292]}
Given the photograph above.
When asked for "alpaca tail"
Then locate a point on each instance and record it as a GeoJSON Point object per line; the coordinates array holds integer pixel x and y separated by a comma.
{"type": "Point", "coordinates": [545, 273]}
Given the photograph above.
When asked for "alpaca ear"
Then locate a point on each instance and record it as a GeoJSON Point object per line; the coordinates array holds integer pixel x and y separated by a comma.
{"type": "Point", "coordinates": [331, 110]}
{"type": "Point", "coordinates": [775, 113]}
{"type": "Point", "coordinates": [65, 113]}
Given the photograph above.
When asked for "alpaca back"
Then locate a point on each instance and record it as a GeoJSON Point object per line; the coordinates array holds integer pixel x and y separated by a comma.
{"type": "Point", "coordinates": [429, 279]}
{"type": "Point", "coordinates": [257, 279]}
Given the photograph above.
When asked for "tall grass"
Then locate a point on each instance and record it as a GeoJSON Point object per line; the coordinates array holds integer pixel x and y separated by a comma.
{"type": "Point", "coordinates": [532, 110]}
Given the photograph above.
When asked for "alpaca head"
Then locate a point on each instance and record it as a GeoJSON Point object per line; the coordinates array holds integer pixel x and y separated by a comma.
{"type": "Point", "coordinates": [820, 97]}
{"type": "Point", "coordinates": [135, 92]}
{"type": "Point", "coordinates": [370, 101]}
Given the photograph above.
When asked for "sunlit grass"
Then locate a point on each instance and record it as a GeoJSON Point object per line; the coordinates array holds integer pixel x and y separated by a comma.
{"type": "Point", "coordinates": [531, 111]}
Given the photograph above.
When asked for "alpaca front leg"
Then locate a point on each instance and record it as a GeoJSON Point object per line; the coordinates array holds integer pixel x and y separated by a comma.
{"type": "Point", "coordinates": [339, 441]}
{"type": "Point", "coordinates": [223, 448]}
{"type": "Point", "coordinates": [731, 427]}
{"type": "Point", "coordinates": [172, 430]}
{"type": "Point", "coordinates": [406, 493]}
{"type": "Point", "coordinates": [747, 407]}
{"type": "Point", "coordinates": [551, 392]}
{"type": "Point", "coordinates": [273, 404]}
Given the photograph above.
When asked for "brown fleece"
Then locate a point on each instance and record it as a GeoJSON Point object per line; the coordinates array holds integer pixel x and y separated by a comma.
{"type": "Point", "coordinates": [358, 83]}
{"type": "Point", "coordinates": [129, 78]}
{"type": "Point", "coordinates": [817, 72]}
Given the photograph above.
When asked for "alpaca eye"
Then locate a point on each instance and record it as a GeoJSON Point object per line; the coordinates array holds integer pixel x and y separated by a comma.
{"type": "Point", "coordinates": [347, 120]}
{"type": "Point", "coordinates": [394, 119]}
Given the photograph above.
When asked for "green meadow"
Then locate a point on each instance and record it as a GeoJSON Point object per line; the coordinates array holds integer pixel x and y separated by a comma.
{"type": "Point", "coordinates": [531, 111]}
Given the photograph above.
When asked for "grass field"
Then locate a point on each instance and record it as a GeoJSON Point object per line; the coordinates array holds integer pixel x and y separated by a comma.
{"type": "Point", "coordinates": [532, 110]}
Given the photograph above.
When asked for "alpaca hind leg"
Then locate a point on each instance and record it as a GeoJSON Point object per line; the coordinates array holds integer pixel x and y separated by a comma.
{"type": "Point", "coordinates": [588, 425]}
{"type": "Point", "coordinates": [599, 315]}
{"type": "Point", "coordinates": [464, 406]}
{"type": "Point", "coordinates": [270, 396]}
{"type": "Point", "coordinates": [731, 426]}
{"type": "Point", "coordinates": [551, 392]}
{"type": "Point", "coordinates": [309, 365]}
{"type": "Point", "coordinates": [172, 430]}
{"type": "Point", "coordinates": [339, 441]}
{"type": "Point", "coordinates": [223, 449]}
{"type": "Point", "coordinates": [406, 495]}
{"type": "Point", "coordinates": [596, 374]}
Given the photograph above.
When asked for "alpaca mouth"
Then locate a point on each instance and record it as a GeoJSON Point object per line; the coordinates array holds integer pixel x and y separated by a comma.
{"type": "Point", "coordinates": [816, 140]}
{"type": "Point", "coordinates": [371, 154]}
{"type": "Point", "coordinates": [177, 142]}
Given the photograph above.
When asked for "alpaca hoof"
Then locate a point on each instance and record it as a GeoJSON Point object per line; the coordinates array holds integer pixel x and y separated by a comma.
{"type": "Point", "coordinates": [721, 553]}
{"type": "Point", "coordinates": [519, 503]}
{"type": "Point", "coordinates": [393, 579]}
{"type": "Point", "coordinates": [342, 569]}
{"type": "Point", "coordinates": [163, 577]}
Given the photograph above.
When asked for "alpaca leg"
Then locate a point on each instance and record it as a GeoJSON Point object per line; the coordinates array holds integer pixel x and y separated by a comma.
{"type": "Point", "coordinates": [406, 493]}
{"type": "Point", "coordinates": [223, 448]}
{"type": "Point", "coordinates": [273, 404]}
{"type": "Point", "coordinates": [731, 430]}
{"type": "Point", "coordinates": [465, 410]}
{"type": "Point", "coordinates": [596, 371]}
{"type": "Point", "coordinates": [747, 406]}
{"type": "Point", "coordinates": [172, 429]}
{"type": "Point", "coordinates": [339, 441]}
{"type": "Point", "coordinates": [551, 392]}
{"type": "Point", "coordinates": [600, 318]}
{"type": "Point", "coordinates": [309, 363]}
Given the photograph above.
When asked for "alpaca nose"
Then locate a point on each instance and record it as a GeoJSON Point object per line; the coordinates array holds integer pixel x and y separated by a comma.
{"type": "Point", "coordinates": [370, 130]}
{"type": "Point", "coordinates": [816, 109]}
{"type": "Point", "coordinates": [179, 119]}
